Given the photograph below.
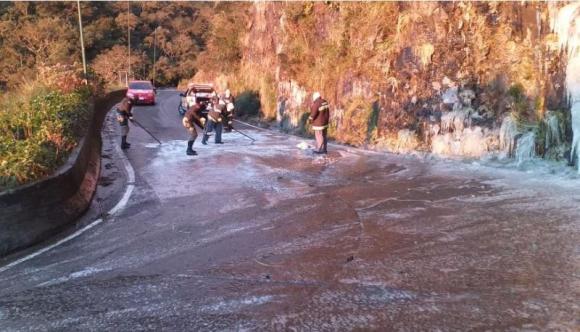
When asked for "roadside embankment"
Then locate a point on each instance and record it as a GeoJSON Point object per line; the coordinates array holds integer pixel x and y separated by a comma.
{"type": "Point", "coordinates": [33, 212]}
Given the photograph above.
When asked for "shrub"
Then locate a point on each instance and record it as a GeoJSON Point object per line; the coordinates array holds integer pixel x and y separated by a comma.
{"type": "Point", "coordinates": [520, 104]}
{"type": "Point", "coordinates": [268, 97]}
{"type": "Point", "coordinates": [248, 104]}
{"type": "Point", "coordinates": [39, 127]}
{"type": "Point", "coordinates": [358, 122]}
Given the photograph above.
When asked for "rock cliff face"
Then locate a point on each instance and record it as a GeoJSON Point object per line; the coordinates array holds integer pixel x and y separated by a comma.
{"type": "Point", "coordinates": [467, 79]}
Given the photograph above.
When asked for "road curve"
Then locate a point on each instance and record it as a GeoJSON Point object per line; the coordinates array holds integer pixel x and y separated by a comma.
{"type": "Point", "coordinates": [265, 236]}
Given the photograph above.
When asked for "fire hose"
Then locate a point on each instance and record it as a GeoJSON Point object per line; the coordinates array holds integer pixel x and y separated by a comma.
{"type": "Point", "coordinates": [239, 132]}
{"type": "Point", "coordinates": [147, 131]}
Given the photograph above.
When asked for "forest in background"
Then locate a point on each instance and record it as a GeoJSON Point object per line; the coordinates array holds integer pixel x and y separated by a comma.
{"type": "Point", "coordinates": [35, 35]}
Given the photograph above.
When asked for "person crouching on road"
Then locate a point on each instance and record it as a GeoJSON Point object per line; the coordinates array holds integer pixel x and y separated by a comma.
{"type": "Point", "coordinates": [123, 116]}
{"type": "Point", "coordinates": [214, 121]}
{"type": "Point", "coordinates": [320, 116]}
{"type": "Point", "coordinates": [191, 119]}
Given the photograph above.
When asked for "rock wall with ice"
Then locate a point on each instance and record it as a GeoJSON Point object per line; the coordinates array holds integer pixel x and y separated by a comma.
{"type": "Point", "coordinates": [526, 148]}
{"type": "Point", "coordinates": [566, 24]}
{"type": "Point", "coordinates": [554, 131]}
{"type": "Point", "coordinates": [458, 137]}
{"type": "Point", "coordinates": [507, 136]}
{"type": "Point", "coordinates": [453, 78]}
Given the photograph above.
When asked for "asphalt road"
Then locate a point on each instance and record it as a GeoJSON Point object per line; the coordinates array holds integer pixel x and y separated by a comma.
{"type": "Point", "coordinates": [266, 236]}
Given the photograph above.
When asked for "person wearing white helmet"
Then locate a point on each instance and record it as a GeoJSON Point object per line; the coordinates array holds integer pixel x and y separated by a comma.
{"type": "Point", "coordinates": [228, 97]}
{"type": "Point", "coordinates": [320, 118]}
{"type": "Point", "coordinates": [229, 117]}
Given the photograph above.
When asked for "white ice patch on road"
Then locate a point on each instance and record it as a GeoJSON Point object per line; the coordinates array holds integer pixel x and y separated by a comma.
{"type": "Point", "coordinates": [223, 232]}
{"type": "Point", "coordinates": [237, 202]}
{"type": "Point", "coordinates": [304, 146]}
{"type": "Point", "coordinates": [72, 276]}
{"type": "Point", "coordinates": [169, 153]}
{"type": "Point", "coordinates": [171, 173]}
{"type": "Point", "coordinates": [235, 305]}
{"type": "Point", "coordinates": [385, 292]}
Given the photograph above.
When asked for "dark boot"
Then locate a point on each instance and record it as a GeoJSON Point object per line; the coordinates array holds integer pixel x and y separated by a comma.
{"type": "Point", "coordinates": [190, 151]}
{"type": "Point", "coordinates": [204, 139]}
{"type": "Point", "coordinates": [124, 144]}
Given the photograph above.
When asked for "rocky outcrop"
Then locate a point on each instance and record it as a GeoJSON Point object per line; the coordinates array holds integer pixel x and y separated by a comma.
{"type": "Point", "coordinates": [438, 77]}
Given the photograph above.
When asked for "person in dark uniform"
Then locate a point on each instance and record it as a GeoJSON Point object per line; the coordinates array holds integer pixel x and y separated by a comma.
{"type": "Point", "coordinates": [191, 119]}
{"type": "Point", "coordinates": [228, 115]}
{"type": "Point", "coordinates": [320, 117]}
{"type": "Point", "coordinates": [214, 121]}
{"type": "Point", "coordinates": [228, 97]}
{"type": "Point", "coordinates": [123, 116]}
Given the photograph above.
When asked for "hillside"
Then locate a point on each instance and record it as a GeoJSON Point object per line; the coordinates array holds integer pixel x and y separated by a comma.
{"type": "Point", "coordinates": [465, 79]}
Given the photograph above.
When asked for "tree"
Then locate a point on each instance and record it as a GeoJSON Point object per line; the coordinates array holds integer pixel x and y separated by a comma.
{"type": "Point", "coordinates": [110, 63]}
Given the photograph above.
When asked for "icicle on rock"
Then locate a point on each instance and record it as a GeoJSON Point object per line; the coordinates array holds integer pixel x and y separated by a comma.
{"type": "Point", "coordinates": [507, 135]}
{"type": "Point", "coordinates": [473, 143]}
{"type": "Point", "coordinates": [566, 24]}
{"type": "Point", "coordinates": [553, 131]}
{"type": "Point", "coordinates": [526, 147]}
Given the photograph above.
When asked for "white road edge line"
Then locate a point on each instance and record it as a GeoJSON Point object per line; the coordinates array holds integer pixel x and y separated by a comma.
{"type": "Point", "coordinates": [117, 208]}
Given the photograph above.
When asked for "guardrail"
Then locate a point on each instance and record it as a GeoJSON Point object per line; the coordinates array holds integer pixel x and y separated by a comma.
{"type": "Point", "coordinates": [39, 210]}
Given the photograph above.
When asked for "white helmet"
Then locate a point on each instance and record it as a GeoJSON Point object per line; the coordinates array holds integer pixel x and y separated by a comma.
{"type": "Point", "coordinates": [315, 96]}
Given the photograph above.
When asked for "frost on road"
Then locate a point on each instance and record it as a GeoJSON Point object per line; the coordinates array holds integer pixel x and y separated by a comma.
{"type": "Point", "coordinates": [265, 236]}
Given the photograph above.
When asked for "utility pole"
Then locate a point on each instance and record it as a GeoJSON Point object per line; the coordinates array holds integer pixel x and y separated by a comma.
{"type": "Point", "coordinates": [82, 39]}
{"type": "Point", "coordinates": [154, 53]}
{"type": "Point", "coordinates": [129, 38]}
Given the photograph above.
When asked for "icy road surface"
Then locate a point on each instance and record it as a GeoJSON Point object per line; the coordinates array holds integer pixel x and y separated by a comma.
{"type": "Point", "coordinates": [265, 236]}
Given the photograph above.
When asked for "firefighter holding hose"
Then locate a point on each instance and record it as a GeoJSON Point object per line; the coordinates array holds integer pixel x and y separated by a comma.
{"type": "Point", "coordinates": [123, 116]}
{"type": "Point", "coordinates": [191, 119]}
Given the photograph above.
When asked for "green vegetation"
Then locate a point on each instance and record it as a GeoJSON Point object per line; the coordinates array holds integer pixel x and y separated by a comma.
{"type": "Point", "coordinates": [519, 102]}
{"type": "Point", "coordinates": [39, 126]}
{"type": "Point", "coordinates": [44, 110]}
{"type": "Point", "coordinates": [373, 121]}
{"type": "Point", "coordinates": [304, 126]}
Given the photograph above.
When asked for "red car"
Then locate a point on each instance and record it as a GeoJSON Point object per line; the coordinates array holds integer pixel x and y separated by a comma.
{"type": "Point", "coordinates": [142, 92]}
